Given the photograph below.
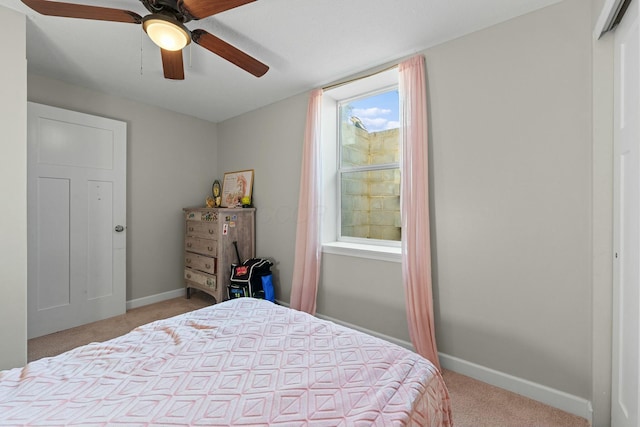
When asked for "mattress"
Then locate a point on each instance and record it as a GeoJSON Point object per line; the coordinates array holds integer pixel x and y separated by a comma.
{"type": "Point", "coordinates": [243, 362]}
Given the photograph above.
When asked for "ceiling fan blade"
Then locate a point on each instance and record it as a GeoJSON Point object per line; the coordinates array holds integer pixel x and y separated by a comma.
{"type": "Point", "coordinates": [72, 10]}
{"type": "Point", "coordinates": [172, 64]}
{"type": "Point", "coordinates": [199, 9]}
{"type": "Point", "coordinates": [228, 52]}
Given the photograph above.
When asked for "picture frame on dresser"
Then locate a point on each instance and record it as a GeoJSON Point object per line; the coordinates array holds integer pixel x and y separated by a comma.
{"type": "Point", "coordinates": [235, 186]}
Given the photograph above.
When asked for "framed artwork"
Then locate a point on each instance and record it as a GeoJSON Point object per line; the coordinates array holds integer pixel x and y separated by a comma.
{"type": "Point", "coordinates": [236, 186]}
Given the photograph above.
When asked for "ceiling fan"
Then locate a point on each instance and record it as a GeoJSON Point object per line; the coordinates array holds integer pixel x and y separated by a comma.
{"type": "Point", "coordinates": [165, 26]}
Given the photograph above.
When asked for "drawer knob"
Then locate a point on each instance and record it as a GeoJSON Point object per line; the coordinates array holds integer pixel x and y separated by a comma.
{"type": "Point", "coordinates": [190, 228]}
{"type": "Point", "coordinates": [189, 245]}
{"type": "Point", "coordinates": [209, 248]}
{"type": "Point", "coordinates": [188, 276]}
{"type": "Point", "coordinates": [208, 265]}
{"type": "Point", "coordinates": [211, 231]}
{"type": "Point", "coordinates": [188, 260]}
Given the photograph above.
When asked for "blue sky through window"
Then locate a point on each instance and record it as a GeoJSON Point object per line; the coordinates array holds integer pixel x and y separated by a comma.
{"type": "Point", "coordinates": [378, 112]}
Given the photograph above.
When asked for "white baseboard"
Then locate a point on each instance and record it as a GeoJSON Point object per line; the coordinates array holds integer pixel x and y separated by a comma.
{"type": "Point", "coordinates": [547, 395]}
{"type": "Point", "coordinates": [152, 299]}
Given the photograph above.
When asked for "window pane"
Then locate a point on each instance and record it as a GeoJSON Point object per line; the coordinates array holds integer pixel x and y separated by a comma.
{"type": "Point", "coordinates": [371, 204]}
{"type": "Point", "coordinates": [369, 130]}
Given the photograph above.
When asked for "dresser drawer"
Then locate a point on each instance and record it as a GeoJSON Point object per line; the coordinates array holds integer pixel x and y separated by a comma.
{"type": "Point", "coordinates": [201, 246]}
{"type": "Point", "coordinates": [197, 215]}
{"type": "Point", "coordinates": [199, 262]}
{"type": "Point", "coordinates": [202, 229]}
{"type": "Point", "coordinates": [203, 279]}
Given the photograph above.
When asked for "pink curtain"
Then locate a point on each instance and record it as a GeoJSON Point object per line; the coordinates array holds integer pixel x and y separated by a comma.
{"type": "Point", "coordinates": [414, 195]}
{"type": "Point", "coordinates": [306, 268]}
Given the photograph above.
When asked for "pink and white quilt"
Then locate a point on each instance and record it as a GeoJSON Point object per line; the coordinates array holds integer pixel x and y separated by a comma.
{"type": "Point", "coordinates": [243, 362]}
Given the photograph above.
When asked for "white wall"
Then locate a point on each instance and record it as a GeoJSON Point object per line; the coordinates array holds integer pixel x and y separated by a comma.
{"type": "Point", "coordinates": [171, 164]}
{"type": "Point", "coordinates": [511, 177]}
{"type": "Point", "coordinates": [13, 188]}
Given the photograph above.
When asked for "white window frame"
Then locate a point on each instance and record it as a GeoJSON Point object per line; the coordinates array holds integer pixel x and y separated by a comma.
{"type": "Point", "coordinates": [332, 241]}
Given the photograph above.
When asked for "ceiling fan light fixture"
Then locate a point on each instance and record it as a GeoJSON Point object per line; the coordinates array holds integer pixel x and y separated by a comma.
{"type": "Point", "coordinates": [166, 32]}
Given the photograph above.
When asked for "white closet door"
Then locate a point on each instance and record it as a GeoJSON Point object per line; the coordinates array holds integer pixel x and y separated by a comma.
{"type": "Point", "coordinates": [76, 199]}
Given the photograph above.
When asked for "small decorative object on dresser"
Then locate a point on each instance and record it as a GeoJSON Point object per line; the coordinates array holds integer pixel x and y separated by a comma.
{"type": "Point", "coordinates": [209, 250]}
{"type": "Point", "coordinates": [217, 193]}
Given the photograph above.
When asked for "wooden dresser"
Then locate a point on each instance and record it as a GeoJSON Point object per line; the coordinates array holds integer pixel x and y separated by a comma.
{"type": "Point", "coordinates": [208, 247]}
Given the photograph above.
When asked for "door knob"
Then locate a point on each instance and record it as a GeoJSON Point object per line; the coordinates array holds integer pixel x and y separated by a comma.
{"type": "Point", "coordinates": [119, 228]}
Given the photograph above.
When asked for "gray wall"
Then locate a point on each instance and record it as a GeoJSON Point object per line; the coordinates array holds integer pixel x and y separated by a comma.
{"type": "Point", "coordinates": [267, 140]}
{"type": "Point", "coordinates": [13, 188]}
{"type": "Point", "coordinates": [511, 155]}
{"type": "Point", "coordinates": [511, 144]}
{"type": "Point", "coordinates": [171, 163]}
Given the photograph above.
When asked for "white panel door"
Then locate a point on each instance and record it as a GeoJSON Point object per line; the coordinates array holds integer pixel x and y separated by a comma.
{"type": "Point", "coordinates": [626, 281]}
{"type": "Point", "coordinates": [76, 219]}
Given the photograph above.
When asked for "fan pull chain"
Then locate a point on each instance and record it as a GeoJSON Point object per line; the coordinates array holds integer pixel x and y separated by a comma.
{"type": "Point", "coordinates": [141, 51]}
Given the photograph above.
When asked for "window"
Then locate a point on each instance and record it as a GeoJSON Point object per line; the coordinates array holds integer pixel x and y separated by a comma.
{"type": "Point", "coordinates": [361, 168]}
{"type": "Point", "coordinates": [369, 168]}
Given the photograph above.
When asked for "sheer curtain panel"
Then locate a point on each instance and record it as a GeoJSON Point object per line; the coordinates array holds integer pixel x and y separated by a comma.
{"type": "Point", "coordinates": [414, 194]}
{"type": "Point", "coordinates": [306, 268]}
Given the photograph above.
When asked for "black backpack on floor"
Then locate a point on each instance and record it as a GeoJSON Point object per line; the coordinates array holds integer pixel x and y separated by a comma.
{"type": "Point", "coordinates": [247, 277]}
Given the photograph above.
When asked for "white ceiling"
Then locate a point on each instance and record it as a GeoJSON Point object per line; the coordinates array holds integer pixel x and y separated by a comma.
{"type": "Point", "coordinates": [306, 43]}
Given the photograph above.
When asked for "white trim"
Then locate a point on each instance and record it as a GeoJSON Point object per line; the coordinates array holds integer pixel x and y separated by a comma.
{"type": "Point", "coordinates": [152, 299]}
{"type": "Point", "coordinates": [547, 395]}
{"type": "Point", "coordinates": [607, 15]}
{"type": "Point", "coordinates": [377, 252]}
{"type": "Point", "coordinates": [541, 393]}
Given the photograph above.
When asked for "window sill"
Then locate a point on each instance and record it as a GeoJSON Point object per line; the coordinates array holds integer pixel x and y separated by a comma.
{"type": "Point", "coordinates": [381, 253]}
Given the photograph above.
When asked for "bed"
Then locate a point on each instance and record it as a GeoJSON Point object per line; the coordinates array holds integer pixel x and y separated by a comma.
{"type": "Point", "coordinates": [243, 362]}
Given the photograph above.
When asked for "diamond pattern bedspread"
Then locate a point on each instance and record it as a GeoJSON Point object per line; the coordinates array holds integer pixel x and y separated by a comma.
{"type": "Point", "coordinates": [244, 362]}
